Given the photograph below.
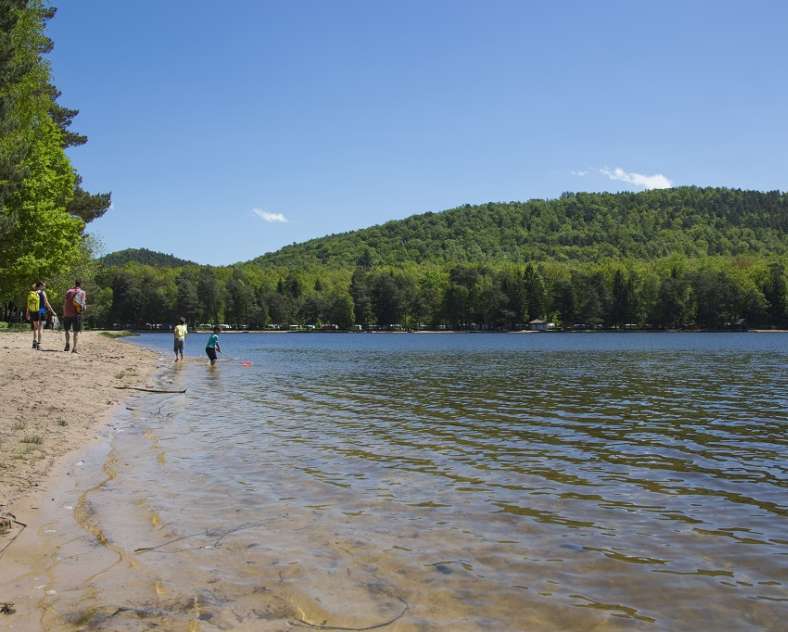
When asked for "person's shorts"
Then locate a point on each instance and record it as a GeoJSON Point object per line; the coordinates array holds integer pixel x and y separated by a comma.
{"type": "Point", "coordinates": [72, 323]}
{"type": "Point", "coordinates": [178, 345]}
{"type": "Point", "coordinates": [211, 353]}
{"type": "Point", "coordinates": [38, 316]}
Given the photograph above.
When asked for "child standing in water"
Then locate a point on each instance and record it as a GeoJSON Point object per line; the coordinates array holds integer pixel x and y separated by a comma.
{"type": "Point", "coordinates": [179, 338]}
{"type": "Point", "coordinates": [212, 346]}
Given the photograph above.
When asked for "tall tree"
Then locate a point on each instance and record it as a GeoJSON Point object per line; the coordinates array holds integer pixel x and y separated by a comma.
{"type": "Point", "coordinates": [240, 299]}
{"type": "Point", "coordinates": [622, 304]}
{"type": "Point", "coordinates": [513, 288]}
{"type": "Point", "coordinates": [187, 302]}
{"type": "Point", "coordinates": [775, 293]}
{"type": "Point", "coordinates": [534, 292]}
{"type": "Point", "coordinates": [339, 310]}
{"type": "Point", "coordinates": [39, 233]}
{"type": "Point", "coordinates": [673, 305]}
{"type": "Point", "coordinates": [387, 300]}
{"type": "Point", "coordinates": [208, 293]}
{"type": "Point", "coordinates": [41, 237]}
{"type": "Point", "coordinates": [565, 302]}
{"type": "Point", "coordinates": [362, 299]}
{"type": "Point", "coordinates": [366, 259]}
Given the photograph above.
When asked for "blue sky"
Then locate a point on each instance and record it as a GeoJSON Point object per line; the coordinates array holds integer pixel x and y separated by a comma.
{"type": "Point", "coordinates": [212, 122]}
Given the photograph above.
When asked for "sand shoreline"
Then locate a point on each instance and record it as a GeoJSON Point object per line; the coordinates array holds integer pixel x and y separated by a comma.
{"type": "Point", "coordinates": [54, 402]}
{"type": "Point", "coordinates": [27, 552]}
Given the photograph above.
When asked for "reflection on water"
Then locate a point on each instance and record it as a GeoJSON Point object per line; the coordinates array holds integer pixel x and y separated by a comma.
{"type": "Point", "coordinates": [461, 483]}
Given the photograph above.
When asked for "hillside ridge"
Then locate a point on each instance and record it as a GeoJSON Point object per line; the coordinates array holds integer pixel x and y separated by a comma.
{"type": "Point", "coordinates": [143, 256]}
{"type": "Point", "coordinates": [689, 221]}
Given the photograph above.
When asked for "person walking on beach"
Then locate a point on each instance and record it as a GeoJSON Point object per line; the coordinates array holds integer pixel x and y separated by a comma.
{"type": "Point", "coordinates": [212, 346]}
{"type": "Point", "coordinates": [73, 306]}
{"type": "Point", "coordinates": [179, 337]}
{"type": "Point", "coordinates": [37, 307]}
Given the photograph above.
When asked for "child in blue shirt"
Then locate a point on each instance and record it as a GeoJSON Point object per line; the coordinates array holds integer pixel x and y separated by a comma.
{"type": "Point", "coordinates": [212, 346]}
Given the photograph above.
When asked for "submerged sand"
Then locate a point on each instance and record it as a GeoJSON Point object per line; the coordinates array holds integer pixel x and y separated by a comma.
{"type": "Point", "coordinates": [53, 402]}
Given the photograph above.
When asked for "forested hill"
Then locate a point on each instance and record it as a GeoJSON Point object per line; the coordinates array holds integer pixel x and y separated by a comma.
{"type": "Point", "coordinates": [687, 257]}
{"type": "Point", "coordinates": [144, 256]}
{"type": "Point", "coordinates": [690, 221]}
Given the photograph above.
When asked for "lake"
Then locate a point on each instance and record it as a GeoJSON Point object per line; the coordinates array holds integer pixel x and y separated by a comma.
{"type": "Point", "coordinates": [632, 481]}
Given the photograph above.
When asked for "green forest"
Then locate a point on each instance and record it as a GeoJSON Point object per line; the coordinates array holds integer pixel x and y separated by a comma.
{"type": "Point", "coordinates": [669, 292]}
{"type": "Point", "coordinates": [685, 257]}
{"type": "Point", "coordinates": [142, 255]}
{"type": "Point", "coordinates": [688, 221]}
{"type": "Point", "coordinates": [678, 258]}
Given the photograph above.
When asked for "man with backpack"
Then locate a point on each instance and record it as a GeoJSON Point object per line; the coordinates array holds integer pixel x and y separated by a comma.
{"type": "Point", "coordinates": [73, 306]}
{"type": "Point", "coordinates": [37, 306]}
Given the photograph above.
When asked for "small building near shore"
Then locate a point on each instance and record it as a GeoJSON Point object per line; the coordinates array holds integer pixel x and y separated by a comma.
{"type": "Point", "coordinates": [537, 324]}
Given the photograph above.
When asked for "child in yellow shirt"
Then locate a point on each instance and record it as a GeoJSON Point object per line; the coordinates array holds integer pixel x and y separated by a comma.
{"type": "Point", "coordinates": [179, 334]}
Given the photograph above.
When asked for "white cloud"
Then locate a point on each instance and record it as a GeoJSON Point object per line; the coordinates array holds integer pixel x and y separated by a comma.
{"type": "Point", "coordinates": [269, 217]}
{"type": "Point", "coordinates": [656, 181]}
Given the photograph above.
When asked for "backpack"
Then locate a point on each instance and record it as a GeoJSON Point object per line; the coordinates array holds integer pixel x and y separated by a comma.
{"type": "Point", "coordinates": [33, 301]}
{"type": "Point", "coordinates": [78, 301]}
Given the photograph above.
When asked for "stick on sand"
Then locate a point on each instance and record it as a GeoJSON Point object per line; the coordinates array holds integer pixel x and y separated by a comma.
{"type": "Point", "coordinates": [149, 390]}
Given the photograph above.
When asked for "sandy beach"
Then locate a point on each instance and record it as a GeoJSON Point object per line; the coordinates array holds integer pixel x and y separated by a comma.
{"type": "Point", "coordinates": [53, 402]}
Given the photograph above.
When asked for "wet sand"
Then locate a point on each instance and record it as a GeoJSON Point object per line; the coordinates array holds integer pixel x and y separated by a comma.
{"type": "Point", "coordinates": [55, 407]}
{"type": "Point", "coordinates": [53, 402]}
{"type": "Point", "coordinates": [94, 556]}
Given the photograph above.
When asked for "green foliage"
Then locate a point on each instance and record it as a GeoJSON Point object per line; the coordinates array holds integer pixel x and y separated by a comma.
{"type": "Point", "coordinates": [43, 238]}
{"type": "Point", "coordinates": [187, 303]}
{"type": "Point", "coordinates": [585, 260]}
{"type": "Point", "coordinates": [340, 310]}
{"type": "Point", "coordinates": [208, 295]}
{"type": "Point", "coordinates": [774, 290]}
{"type": "Point", "coordinates": [143, 256]}
{"type": "Point", "coordinates": [42, 206]}
{"type": "Point", "coordinates": [674, 292]}
{"type": "Point", "coordinates": [689, 221]}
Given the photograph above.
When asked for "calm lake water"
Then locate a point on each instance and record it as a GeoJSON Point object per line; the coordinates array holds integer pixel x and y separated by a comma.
{"type": "Point", "coordinates": [454, 482]}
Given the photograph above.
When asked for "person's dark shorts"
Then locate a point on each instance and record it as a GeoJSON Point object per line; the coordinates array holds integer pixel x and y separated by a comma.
{"type": "Point", "coordinates": [38, 316]}
{"type": "Point", "coordinates": [211, 353]}
{"type": "Point", "coordinates": [178, 345]}
{"type": "Point", "coordinates": [72, 323]}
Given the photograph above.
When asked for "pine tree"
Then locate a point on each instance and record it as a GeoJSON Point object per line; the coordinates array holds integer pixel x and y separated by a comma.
{"type": "Point", "coordinates": [775, 293]}
{"type": "Point", "coordinates": [534, 292]}
{"type": "Point", "coordinates": [41, 231]}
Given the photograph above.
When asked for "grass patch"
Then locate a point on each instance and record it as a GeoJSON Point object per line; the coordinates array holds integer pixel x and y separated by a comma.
{"type": "Point", "coordinates": [13, 327]}
{"type": "Point", "coordinates": [33, 439]}
{"type": "Point", "coordinates": [62, 422]}
{"type": "Point", "coordinates": [24, 452]}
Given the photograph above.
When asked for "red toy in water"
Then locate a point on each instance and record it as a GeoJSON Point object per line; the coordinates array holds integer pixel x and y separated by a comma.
{"type": "Point", "coordinates": [246, 364]}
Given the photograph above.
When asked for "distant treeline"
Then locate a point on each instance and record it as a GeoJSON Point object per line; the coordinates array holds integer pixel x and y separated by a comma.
{"type": "Point", "coordinates": [684, 257]}
{"type": "Point", "coordinates": [674, 292]}
{"type": "Point", "coordinates": [689, 256]}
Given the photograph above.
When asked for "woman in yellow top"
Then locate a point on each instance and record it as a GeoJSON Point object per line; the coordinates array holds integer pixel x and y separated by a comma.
{"type": "Point", "coordinates": [180, 337]}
